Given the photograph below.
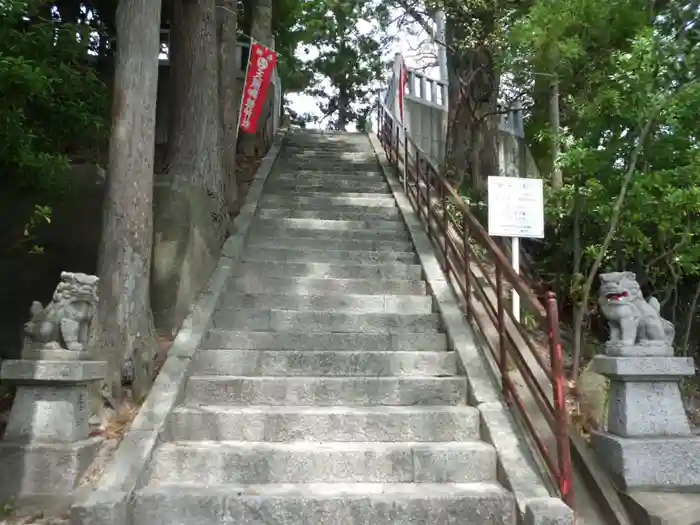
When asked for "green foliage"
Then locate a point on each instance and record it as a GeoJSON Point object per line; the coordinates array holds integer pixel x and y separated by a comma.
{"type": "Point", "coordinates": [619, 67]}
{"type": "Point", "coordinates": [288, 34]}
{"type": "Point", "coordinates": [53, 103]}
{"type": "Point", "coordinates": [39, 216]}
{"type": "Point", "coordinates": [350, 61]}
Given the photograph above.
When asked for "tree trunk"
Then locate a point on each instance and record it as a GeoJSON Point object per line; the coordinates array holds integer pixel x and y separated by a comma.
{"type": "Point", "coordinates": [580, 309]}
{"type": "Point", "coordinates": [125, 322]}
{"type": "Point", "coordinates": [471, 149]}
{"type": "Point", "coordinates": [343, 112]}
{"type": "Point", "coordinates": [191, 216]}
{"type": "Point", "coordinates": [260, 31]}
{"type": "Point", "coordinates": [557, 177]}
{"type": "Point", "coordinates": [541, 145]}
{"type": "Point", "coordinates": [228, 97]}
{"type": "Point", "coordinates": [194, 157]}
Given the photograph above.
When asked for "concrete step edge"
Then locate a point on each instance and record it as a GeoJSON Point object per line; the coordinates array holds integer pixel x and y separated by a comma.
{"type": "Point", "coordinates": [309, 254]}
{"type": "Point", "coordinates": [281, 363]}
{"type": "Point", "coordinates": [329, 446]}
{"type": "Point", "coordinates": [388, 266]}
{"type": "Point", "coordinates": [324, 491]}
{"type": "Point", "coordinates": [335, 302]}
{"type": "Point", "coordinates": [476, 503]}
{"type": "Point", "coordinates": [256, 461]}
{"type": "Point", "coordinates": [247, 340]}
{"type": "Point", "coordinates": [328, 411]}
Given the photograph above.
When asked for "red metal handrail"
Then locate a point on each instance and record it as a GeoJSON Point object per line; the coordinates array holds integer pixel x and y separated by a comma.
{"type": "Point", "coordinates": [469, 257]}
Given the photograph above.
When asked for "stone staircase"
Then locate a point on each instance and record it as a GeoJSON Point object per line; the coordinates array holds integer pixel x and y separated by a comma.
{"type": "Point", "coordinates": [324, 392]}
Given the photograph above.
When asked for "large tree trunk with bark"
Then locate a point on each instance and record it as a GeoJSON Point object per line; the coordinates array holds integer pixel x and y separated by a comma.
{"type": "Point", "coordinates": [228, 97]}
{"type": "Point", "coordinates": [471, 149]}
{"type": "Point", "coordinates": [192, 218]}
{"type": "Point", "coordinates": [194, 139]}
{"type": "Point", "coordinates": [260, 31]}
{"type": "Point", "coordinates": [343, 109]}
{"type": "Point", "coordinates": [125, 322]}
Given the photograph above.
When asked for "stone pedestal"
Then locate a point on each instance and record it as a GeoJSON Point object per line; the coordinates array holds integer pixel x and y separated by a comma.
{"type": "Point", "coordinates": [47, 447]}
{"type": "Point", "coordinates": [649, 443]}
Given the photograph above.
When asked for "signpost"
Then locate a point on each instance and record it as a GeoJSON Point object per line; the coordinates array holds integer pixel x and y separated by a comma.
{"type": "Point", "coordinates": [522, 214]}
{"type": "Point", "coordinates": [516, 209]}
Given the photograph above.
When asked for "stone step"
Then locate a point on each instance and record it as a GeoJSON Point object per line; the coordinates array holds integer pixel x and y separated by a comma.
{"type": "Point", "coordinates": [322, 270]}
{"type": "Point", "coordinates": [252, 283]}
{"type": "Point", "coordinates": [329, 235]}
{"type": "Point", "coordinates": [327, 186]}
{"type": "Point", "coordinates": [275, 424]}
{"type": "Point", "coordinates": [326, 504]}
{"type": "Point", "coordinates": [335, 172]}
{"type": "Point", "coordinates": [339, 151]}
{"type": "Point", "coordinates": [314, 243]}
{"type": "Point", "coordinates": [327, 256]}
{"type": "Point", "coordinates": [357, 303]}
{"type": "Point", "coordinates": [327, 190]}
{"type": "Point", "coordinates": [325, 146]}
{"type": "Point", "coordinates": [329, 204]}
{"type": "Point", "coordinates": [329, 363]}
{"type": "Point", "coordinates": [347, 214]}
{"type": "Point", "coordinates": [319, 153]}
{"type": "Point", "coordinates": [231, 339]}
{"type": "Point", "coordinates": [331, 224]}
{"type": "Point", "coordinates": [338, 163]}
{"type": "Point", "coordinates": [325, 391]}
{"type": "Point", "coordinates": [222, 462]}
{"type": "Point", "coordinates": [326, 202]}
{"type": "Point", "coordinates": [327, 139]}
{"type": "Point", "coordinates": [317, 321]}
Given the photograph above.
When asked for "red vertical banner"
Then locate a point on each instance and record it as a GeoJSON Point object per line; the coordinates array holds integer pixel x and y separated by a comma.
{"type": "Point", "coordinates": [261, 65]}
{"type": "Point", "coordinates": [403, 82]}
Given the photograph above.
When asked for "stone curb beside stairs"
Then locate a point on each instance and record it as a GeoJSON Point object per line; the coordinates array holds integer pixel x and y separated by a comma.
{"type": "Point", "coordinates": [108, 503]}
{"type": "Point", "coordinates": [515, 465]}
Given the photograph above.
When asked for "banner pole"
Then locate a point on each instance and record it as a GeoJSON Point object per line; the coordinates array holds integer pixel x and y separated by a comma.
{"type": "Point", "coordinates": [245, 77]}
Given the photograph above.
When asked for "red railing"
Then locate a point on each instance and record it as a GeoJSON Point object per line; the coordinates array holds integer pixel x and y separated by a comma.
{"type": "Point", "coordinates": [481, 274]}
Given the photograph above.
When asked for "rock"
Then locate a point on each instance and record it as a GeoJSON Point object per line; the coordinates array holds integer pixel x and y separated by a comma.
{"type": "Point", "coordinates": [593, 398]}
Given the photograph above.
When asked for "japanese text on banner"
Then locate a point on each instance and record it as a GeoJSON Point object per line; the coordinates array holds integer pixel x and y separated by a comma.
{"type": "Point", "coordinates": [261, 65]}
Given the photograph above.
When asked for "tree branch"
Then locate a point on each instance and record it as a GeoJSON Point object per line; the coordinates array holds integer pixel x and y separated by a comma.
{"type": "Point", "coordinates": [420, 18]}
{"type": "Point", "coordinates": [617, 208]}
{"type": "Point", "coordinates": [689, 320]}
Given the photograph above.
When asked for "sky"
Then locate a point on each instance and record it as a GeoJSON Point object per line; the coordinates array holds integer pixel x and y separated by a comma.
{"type": "Point", "coordinates": [416, 48]}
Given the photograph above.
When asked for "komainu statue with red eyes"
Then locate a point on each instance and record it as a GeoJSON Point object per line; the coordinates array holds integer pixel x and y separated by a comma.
{"type": "Point", "coordinates": [632, 319]}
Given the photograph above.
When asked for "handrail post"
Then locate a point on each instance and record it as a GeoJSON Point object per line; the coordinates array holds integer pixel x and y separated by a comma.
{"type": "Point", "coordinates": [419, 179]}
{"type": "Point", "coordinates": [445, 228]}
{"type": "Point", "coordinates": [467, 267]}
{"type": "Point", "coordinates": [395, 141]}
{"type": "Point", "coordinates": [427, 201]}
{"type": "Point", "coordinates": [405, 160]}
{"type": "Point", "coordinates": [561, 419]}
{"type": "Point", "coordinates": [501, 332]}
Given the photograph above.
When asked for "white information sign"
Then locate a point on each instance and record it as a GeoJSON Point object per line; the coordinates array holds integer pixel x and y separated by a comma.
{"type": "Point", "coordinates": [516, 207]}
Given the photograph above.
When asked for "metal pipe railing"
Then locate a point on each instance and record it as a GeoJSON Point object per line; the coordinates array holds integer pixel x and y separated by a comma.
{"type": "Point", "coordinates": [467, 251]}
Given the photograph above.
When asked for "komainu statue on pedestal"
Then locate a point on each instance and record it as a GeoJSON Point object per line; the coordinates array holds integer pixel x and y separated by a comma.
{"type": "Point", "coordinates": [66, 321]}
{"type": "Point", "coordinates": [632, 319]}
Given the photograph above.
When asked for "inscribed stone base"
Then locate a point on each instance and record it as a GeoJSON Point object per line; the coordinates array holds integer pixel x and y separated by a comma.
{"type": "Point", "coordinates": [649, 350]}
{"type": "Point", "coordinates": [644, 396]}
{"type": "Point", "coordinates": [51, 403]}
{"type": "Point", "coordinates": [32, 471]}
{"type": "Point", "coordinates": [643, 368]}
{"type": "Point", "coordinates": [51, 413]}
{"type": "Point", "coordinates": [640, 409]}
{"type": "Point", "coordinates": [653, 463]}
